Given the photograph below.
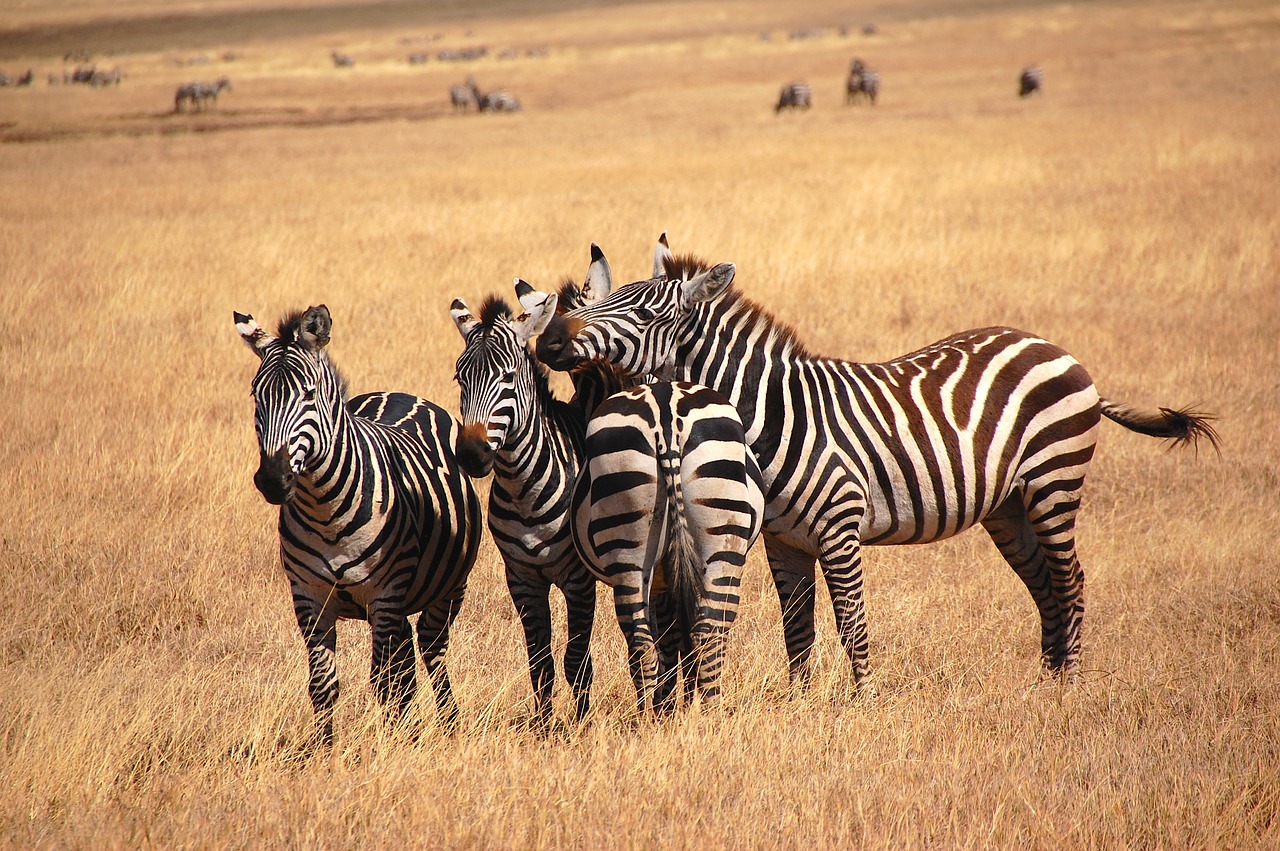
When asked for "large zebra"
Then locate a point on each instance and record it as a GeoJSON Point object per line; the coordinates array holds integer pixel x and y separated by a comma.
{"type": "Point", "coordinates": [513, 426]}
{"type": "Point", "coordinates": [377, 521]}
{"type": "Point", "coordinates": [794, 96]}
{"type": "Point", "coordinates": [991, 426]}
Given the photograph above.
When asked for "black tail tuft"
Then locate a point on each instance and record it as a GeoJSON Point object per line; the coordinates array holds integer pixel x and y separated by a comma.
{"type": "Point", "coordinates": [1181, 426]}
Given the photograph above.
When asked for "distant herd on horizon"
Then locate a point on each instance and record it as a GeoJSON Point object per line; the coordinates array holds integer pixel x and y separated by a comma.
{"type": "Point", "coordinates": [862, 83]}
{"type": "Point", "coordinates": [699, 422]}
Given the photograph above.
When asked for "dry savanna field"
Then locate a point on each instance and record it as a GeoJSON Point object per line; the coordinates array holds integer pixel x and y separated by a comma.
{"type": "Point", "coordinates": [152, 681]}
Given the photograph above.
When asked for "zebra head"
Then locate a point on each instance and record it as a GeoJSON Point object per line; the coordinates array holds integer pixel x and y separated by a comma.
{"type": "Point", "coordinates": [297, 397]}
{"type": "Point", "coordinates": [497, 378]}
{"type": "Point", "coordinates": [637, 327]}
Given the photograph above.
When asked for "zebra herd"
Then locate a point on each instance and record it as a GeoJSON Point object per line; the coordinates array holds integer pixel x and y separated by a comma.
{"type": "Point", "coordinates": [468, 96]}
{"type": "Point", "coordinates": [698, 422]}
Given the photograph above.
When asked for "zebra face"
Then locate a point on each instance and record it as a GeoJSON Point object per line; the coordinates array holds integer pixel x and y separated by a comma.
{"type": "Point", "coordinates": [495, 375]}
{"type": "Point", "coordinates": [294, 393]}
{"type": "Point", "coordinates": [637, 328]}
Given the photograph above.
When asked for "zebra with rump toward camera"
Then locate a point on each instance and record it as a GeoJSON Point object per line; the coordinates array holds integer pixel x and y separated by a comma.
{"type": "Point", "coordinates": [992, 426]}
{"type": "Point", "coordinates": [667, 506]}
{"type": "Point", "coordinates": [377, 522]}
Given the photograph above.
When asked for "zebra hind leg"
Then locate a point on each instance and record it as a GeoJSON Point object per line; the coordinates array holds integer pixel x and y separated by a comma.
{"type": "Point", "coordinates": [642, 651]}
{"type": "Point", "coordinates": [842, 569]}
{"type": "Point", "coordinates": [663, 609]}
{"type": "Point", "coordinates": [433, 640]}
{"type": "Point", "coordinates": [1015, 537]}
{"type": "Point", "coordinates": [793, 577]}
{"type": "Point", "coordinates": [1053, 517]}
{"type": "Point", "coordinates": [580, 613]}
{"type": "Point", "coordinates": [393, 668]}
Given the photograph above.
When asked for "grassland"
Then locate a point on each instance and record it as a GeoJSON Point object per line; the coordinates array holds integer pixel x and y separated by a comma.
{"type": "Point", "coordinates": [152, 685]}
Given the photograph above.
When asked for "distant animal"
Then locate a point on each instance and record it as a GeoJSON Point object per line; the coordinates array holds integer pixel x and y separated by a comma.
{"type": "Point", "coordinates": [862, 82]}
{"type": "Point", "coordinates": [25, 79]}
{"type": "Point", "coordinates": [466, 96]}
{"type": "Point", "coordinates": [417, 58]}
{"type": "Point", "coordinates": [499, 101]}
{"type": "Point", "coordinates": [199, 96]}
{"type": "Point", "coordinates": [106, 78]}
{"type": "Point", "coordinates": [342, 60]}
{"type": "Point", "coordinates": [1030, 80]}
{"type": "Point", "coordinates": [794, 96]}
{"type": "Point", "coordinates": [377, 520]}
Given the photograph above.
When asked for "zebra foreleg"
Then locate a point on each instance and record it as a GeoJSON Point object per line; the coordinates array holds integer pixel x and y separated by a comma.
{"type": "Point", "coordinates": [320, 634]}
{"type": "Point", "coordinates": [392, 668]}
{"type": "Point", "coordinates": [529, 593]}
{"type": "Point", "coordinates": [433, 640]}
{"type": "Point", "coordinates": [580, 613]}
{"type": "Point", "coordinates": [793, 577]}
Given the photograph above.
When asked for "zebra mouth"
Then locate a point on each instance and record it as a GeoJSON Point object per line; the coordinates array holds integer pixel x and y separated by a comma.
{"type": "Point", "coordinates": [555, 345]}
{"type": "Point", "coordinates": [475, 455]}
{"type": "Point", "coordinates": [275, 478]}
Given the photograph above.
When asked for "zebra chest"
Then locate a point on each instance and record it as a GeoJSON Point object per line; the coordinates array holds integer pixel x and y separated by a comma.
{"type": "Point", "coordinates": [341, 555]}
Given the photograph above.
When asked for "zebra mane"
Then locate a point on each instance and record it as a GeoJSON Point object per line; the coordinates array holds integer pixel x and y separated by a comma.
{"type": "Point", "coordinates": [287, 332]}
{"type": "Point", "coordinates": [570, 295]}
{"type": "Point", "coordinates": [685, 266]}
{"type": "Point", "coordinates": [492, 309]}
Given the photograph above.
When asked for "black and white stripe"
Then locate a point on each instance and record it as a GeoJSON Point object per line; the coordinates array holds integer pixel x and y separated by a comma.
{"type": "Point", "coordinates": [199, 95]}
{"type": "Point", "coordinates": [992, 426]}
{"type": "Point", "coordinates": [862, 82]}
{"type": "Point", "coordinates": [377, 521]}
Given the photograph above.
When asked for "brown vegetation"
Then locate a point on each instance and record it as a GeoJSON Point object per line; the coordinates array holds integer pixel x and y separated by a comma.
{"type": "Point", "coordinates": [152, 685]}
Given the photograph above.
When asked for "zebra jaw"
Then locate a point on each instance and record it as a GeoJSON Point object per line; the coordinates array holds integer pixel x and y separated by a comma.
{"type": "Point", "coordinates": [475, 452]}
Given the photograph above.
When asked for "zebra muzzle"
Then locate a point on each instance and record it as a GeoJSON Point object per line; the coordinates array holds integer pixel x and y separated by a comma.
{"type": "Point", "coordinates": [475, 455]}
{"type": "Point", "coordinates": [555, 343]}
{"type": "Point", "coordinates": [275, 478]}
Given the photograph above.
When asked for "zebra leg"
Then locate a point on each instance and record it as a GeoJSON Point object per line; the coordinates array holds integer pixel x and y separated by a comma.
{"type": "Point", "coordinates": [662, 607]}
{"type": "Point", "coordinates": [1011, 530]}
{"type": "Point", "coordinates": [529, 593]}
{"type": "Point", "coordinates": [318, 624]}
{"type": "Point", "coordinates": [392, 669]}
{"type": "Point", "coordinates": [720, 597]}
{"type": "Point", "coordinates": [433, 641]}
{"type": "Point", "coordinates": [841, 562]}
{"type": "Point", "coordinates": [580, 613]}
{"type": "Point", "coordinates": [793, 576]}
{"type": "Point", "coordinates": [1053, 518]}
{"type": "Point", "coordinates": [642, 652]}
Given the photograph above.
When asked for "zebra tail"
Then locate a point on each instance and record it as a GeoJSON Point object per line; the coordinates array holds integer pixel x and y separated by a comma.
{"type": "Point", "coordinates": [1183, 426]}
{"type": "Point", "coordinates": [682, 563]}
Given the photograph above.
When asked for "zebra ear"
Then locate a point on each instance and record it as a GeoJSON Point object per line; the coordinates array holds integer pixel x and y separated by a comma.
{"type": "Point", "coordinates": [462, 317]}
{"type": "Point", "coordinates": [707, 286]}
{"type": "Point", "coordinates": [661, 253]}
{"type": "Point", "coordinates": [253, 335]}
{"type": "Point", "coordinates": [599, 279]}
{"type": "Point", "coordinates": [538, 307]}
{"type": "Point", "coordinates": [314, 329]}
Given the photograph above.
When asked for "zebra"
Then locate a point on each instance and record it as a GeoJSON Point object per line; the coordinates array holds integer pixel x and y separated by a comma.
{"type": "Point", "coordinates": [377, 520]}
{"type": "Point", "coordinates": [991, 426]}
{"type": "Point", "coordinates": [794, 96]}
{"type": "Point", "coordinates": [693, 456]}
{"type": "Point", "coordinates": [466, 96]}
{"type": "Point", "coordinates": [199, 95]}
{"type": "Point", "coordinates": [499, 101]}
{"type": "Point", "coordinates": [862, 81]}
{"type": "Point", "coordinates": [532, 442]}
{"type": "Point", "coordinates": [341, 60]}
{"type": "Point", "coordinates": [1030, 80]}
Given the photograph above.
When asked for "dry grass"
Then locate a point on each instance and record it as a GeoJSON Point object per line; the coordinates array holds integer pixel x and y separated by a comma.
{"type": "Point", "coordinates": [152, 686]}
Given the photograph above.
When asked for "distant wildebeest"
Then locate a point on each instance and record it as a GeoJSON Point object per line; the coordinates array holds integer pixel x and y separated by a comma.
{"type": "Point", "coordinates": [1030, 80]}
{"type": "Point", "coordinates": [794, 96]}
{"type": "Point", "coordinates": [342, 60]}
{"type": "Point", "coordinates": [862, 81]}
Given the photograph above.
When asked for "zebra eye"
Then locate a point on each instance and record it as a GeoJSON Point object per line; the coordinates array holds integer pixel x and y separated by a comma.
{"type": "Point", "coordinates": [309, 394]}
{"type": "Point", "coordinates": [644, 314]}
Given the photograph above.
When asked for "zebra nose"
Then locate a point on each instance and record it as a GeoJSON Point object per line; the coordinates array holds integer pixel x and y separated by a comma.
{"type": "Point", "coordinates": [474, 453]}
{"type": "Point", "coordinates": [275, 478]}
{"type": "Point", "coordinates": [552, 343]}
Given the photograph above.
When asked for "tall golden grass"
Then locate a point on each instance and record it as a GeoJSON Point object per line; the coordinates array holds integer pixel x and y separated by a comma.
{"type": "Point", "coordinates": [152, 684]}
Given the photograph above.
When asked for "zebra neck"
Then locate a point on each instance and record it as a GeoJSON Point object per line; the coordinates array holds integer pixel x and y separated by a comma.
{"type": "Point", "coordinates": [542, 453]}
{"type": "Point", "coordinates": [338, 486]}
